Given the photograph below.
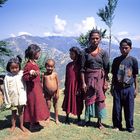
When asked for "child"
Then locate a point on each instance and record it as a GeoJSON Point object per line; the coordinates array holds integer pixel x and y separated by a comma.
{"type": "Point", "coordinates": [36, 109]}
{"type": "Point", "coordinates": [73, 102]}
{"type": "Point", "coordinates": [1, 92]}
{"type": "Point", "coordinates": [14, 91]}
{"type": "Point", "coordinates": [124, 86]}
{"type": "Point", "coordinates": [51, 86]}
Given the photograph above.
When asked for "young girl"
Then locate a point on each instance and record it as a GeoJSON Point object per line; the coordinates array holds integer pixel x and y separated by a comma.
{"type": "Point", "coordinates": [73, 102]}
{"type": "Point", "coordinates": [14, 91]}
{"type": "Point", "coordinates": [36, 109]}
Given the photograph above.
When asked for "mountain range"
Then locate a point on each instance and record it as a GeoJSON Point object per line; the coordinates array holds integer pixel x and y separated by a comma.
{"type": "Point", "coordinates": [57, 47]}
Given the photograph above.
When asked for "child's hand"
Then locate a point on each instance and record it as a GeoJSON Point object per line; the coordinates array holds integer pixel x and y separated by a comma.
{"type": "Point", "coordinates": [37, 73]}
{"type": "Point", "coordinates": [56, 96]}
{"type": "Point", "coordinates": [33, 73]}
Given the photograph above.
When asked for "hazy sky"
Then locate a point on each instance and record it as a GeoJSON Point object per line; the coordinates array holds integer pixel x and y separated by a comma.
{"type": "Point", "coordinates": [67, 17]}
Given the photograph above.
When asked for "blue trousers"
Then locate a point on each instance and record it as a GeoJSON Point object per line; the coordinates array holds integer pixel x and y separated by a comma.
{"type": "Point", "coordinates": [123, 98]}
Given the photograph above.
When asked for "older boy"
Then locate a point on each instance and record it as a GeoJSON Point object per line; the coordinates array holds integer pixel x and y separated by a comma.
{"type": "Point", "coordinates": [124, 86]}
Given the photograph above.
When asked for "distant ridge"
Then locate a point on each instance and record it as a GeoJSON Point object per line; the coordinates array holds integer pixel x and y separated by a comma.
{"type": "Point", "coordinates": [57, 47]}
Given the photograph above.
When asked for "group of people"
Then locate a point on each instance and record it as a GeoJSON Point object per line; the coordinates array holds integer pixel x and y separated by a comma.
{"type": "Point", "coordinates": [29, 93]}
{"type": "Point", "coordinates": [87, 79]}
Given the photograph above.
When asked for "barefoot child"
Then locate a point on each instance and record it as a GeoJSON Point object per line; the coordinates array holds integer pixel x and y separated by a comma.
{"type": "Point", "coordinates": [73, 101]}
{"type": "Point", "coordinates": [36, 109]}
{"type": "Point", "coordinates": [51, 86]}
{"type": "Point", "coordinates": [14, 91]}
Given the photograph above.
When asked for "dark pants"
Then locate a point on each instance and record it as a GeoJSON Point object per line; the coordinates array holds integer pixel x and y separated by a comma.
{"type": "Point", "coordinates": [123, 98]}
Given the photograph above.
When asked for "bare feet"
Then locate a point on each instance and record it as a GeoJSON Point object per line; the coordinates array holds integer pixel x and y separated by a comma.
{"type": "Point", "coordinates": [23, 129]}
{"type": "Point", "coordinates": [100, 126]}
{"type": "Point", "coordinates": [116, 129]}
{"type": "Point", "coordinates": [47, 121]}
{"type": "Point", "coordinates": [12, 128]}
{"type": "Point", "coordinates": [44, 123]}
{"type": "Point", "coordinates": [57, 121]}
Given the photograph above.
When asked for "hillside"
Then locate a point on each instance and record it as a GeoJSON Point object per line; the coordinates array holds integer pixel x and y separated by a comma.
{"type": "Point", "coordinates": [57, 47]}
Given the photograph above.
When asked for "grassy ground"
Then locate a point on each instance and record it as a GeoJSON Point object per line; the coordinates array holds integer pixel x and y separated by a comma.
{"type": "Point", "coordinates": [72, 131]}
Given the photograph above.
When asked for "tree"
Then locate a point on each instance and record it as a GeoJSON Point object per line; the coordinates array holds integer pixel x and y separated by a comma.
{"type": "Point", "coordinates": [107, 15]}
{"type": "Point", "coordinates": [83, 39]}
{"type": "Point", "coordinates": [41, 62]}
{"type": "Point", "coordinates": [2, 2]}
{"type": "Point", "coordinates": [3, 52]}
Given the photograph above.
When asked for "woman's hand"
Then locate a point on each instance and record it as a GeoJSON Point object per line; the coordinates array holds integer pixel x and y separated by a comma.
{"type": "Point", "coordinates": [106, 86]}
{"type": "Point", "coordinates": [84, 87]}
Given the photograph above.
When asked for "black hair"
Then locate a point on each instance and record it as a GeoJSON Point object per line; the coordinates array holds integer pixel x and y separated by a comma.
{"type": "Point", "coordinates": [77, 51]}
{"type": "Point", "coordinates": [31, 51]}
{"type": "Point", "coordinates": [127, 41]}
{"type": "Point", "coordinates": [46, 63]}
{"type": "Point", "coordinates": [94, 31]}
{"type": "Point", "coordinates": [16, 60]}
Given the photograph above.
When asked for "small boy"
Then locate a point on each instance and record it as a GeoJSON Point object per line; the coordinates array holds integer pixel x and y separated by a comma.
{"type": "Point", "coordinates": [51, 87]}
{"type": "Point", "coordinates": [124, 86]}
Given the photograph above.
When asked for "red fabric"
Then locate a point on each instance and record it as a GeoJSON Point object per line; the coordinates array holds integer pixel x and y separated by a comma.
{"type": "Point", "coordinates": [72, 102]}
{"type": "Point", "coordinates": [36, 108]}
{"type": "Point", "coordinates": [95, 83]}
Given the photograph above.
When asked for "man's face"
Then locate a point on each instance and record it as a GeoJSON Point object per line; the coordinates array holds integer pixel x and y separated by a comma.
{"type": "Point", "coordinates": [125, 48]}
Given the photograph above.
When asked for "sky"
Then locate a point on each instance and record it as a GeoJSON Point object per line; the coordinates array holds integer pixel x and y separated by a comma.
{"type": "Point", "coordinates": [67, 18]}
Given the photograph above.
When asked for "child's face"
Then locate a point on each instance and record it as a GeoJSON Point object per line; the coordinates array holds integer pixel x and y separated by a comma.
{"type": "Point", "coordinates": [50, 67]}
{"type": "Point", "coordinates": [14, 68]}
{"type": "Point", "coordinates": [37, 55]}
{"type": "Point", "coordinates": [72, 55]}
{"type": "Point", "coordinates": [125, 49]}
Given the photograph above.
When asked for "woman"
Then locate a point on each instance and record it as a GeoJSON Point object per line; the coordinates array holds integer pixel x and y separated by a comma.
{"type": "Point", "coordinates": [94, 76]}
